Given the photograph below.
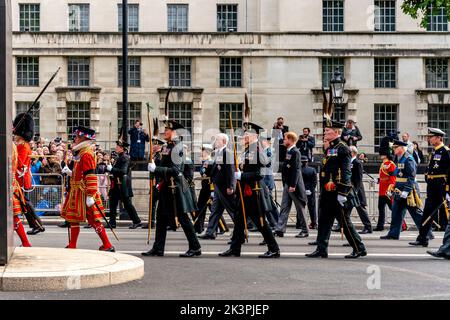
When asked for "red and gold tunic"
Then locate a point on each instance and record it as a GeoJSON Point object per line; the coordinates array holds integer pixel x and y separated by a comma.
{"type": "Point", "coordinates": [387, 176]}
{"type": "Point", "coordinates": [18, 196]}
{"type": "Point", "coordinates": [23, 170]}
{"type": "Point", "coordinates": [83, 183]}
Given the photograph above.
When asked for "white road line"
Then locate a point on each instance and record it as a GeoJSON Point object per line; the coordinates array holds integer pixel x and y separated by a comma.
{"type": "Point", "coordinates": [295, 254]}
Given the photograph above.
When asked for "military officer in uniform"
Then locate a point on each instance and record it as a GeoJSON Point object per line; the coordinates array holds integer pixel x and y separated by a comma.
{"type": "Point", "coordinates": [121, 186]}
{"type": "Point", "coordinates": [438, 180]}
{"type": "Point", "coordinates": [404, 192]}
{"type": "Point", "coordinates": [310, 179]}
{"type": "Point", "coordinates": [255, 201]}
{"type": "Point", "coordinates": [336, 194]}
{"type": "Point", "coordinates": [174, 197]}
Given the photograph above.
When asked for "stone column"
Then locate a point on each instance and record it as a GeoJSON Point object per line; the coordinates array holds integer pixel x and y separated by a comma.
{"type": "Point", "coordinates": [6, 223]}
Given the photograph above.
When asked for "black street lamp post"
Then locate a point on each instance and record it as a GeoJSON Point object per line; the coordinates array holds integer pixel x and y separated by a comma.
{"type": "Point", "coordinates": [125, 70]}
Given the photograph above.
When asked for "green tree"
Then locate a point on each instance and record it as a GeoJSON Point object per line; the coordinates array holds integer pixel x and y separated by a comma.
{"type": "Point", "coordinates": [421, 8]}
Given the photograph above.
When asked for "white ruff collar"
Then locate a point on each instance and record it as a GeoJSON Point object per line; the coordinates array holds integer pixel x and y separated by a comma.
{"type": "Point", "coordinates": [81, 145]}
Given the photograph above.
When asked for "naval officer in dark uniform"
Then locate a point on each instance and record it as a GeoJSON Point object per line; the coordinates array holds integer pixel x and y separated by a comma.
{"type": "Point", "coordinates": [336, 194]}
{"type": "Point", "coordinates": [121, 186]}
{"type": "Point", "coordinates": [174, 196]}
{"type": "Point", "coordinates": [254, 193]}
{"type": "Point", "coordinates": [437, 177]}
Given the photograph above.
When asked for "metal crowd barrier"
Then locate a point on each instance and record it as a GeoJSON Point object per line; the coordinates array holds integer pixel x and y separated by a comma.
{"type": "Point", "coordinates": [46, 198]}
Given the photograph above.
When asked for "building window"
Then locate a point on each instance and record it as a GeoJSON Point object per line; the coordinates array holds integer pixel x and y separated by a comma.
{"type": "Point", "coordinates": [177, 17]}
{"type": "Point", "coordinates": [134, 113]}
{"type": "Point", "coordinates": [78, 114]}
{"type": "Point", "coordinates": [79, 17]}
{"type": "Point", "coordinates": [22, 107]}
{"type": "Point", "coordinates": [237, 114]}
{"type": "Point", "coordinates": [385, 72]}
{"type": "Point", "coordinates": [385, 15]}
{"type": "Point", "coordinates": [231, 72]}
{"type": "Point", "coordinates": [439, 117]}
{"type": "Point", "coordinates": [386, 120]}
{"type": "Point", "coordinates": [29, 17]}
{"type": "Point", "coordinates": [180, 72]}
{"type": "Point", "coordinates": [78, 72]}
{"type": "Point", "coordinates": [227, 17]}
{"type": "Point", "coordinates": [133, 17]}
{"type": "Point", "coordinates": [333, 15]}
{"type": "Point", "coordinates": [134, 71]}
{"type": "Point", "coordinates": [436, 73]}
{"type": "Point", "coordinates": [340, 113]}
{"type": "Point", "coordinates": [27, 69]}
{"type": "Point", "coordinates": [181, 112]}
{"type": "Point", "coordinates": [329, 66]}
{"type": "Point", "coordinates": [437, 19]}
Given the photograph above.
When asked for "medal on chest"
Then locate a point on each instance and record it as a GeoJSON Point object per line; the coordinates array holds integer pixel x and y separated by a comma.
{"type": "Point", "coordinates": [332, 153]}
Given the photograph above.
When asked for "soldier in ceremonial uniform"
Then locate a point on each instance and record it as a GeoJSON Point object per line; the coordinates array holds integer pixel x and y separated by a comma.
{"type": "Point", "coordinates": [83, 201]}
{"type": "Point", "coordinates": [174, 196]}
{"type": "Point", "coordinates": [309, 175]}
{"type": "Point", "coordinates": [23, 133]}
{"type": "Point", "coordinates": [121, 186]}
{"type": "Point", "coordinates": [404, 192]}
{"type": "Point", "coordinates": [255, 201]}
{"type": "Point", "coordinates": [157, 147]}
{"type": "Point", "coordinates": [336, 194]}
{"type": "Point", "coordinates": [437, 177]}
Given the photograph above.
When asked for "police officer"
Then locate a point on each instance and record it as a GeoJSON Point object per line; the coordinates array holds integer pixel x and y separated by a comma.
{"type": "Point", "coordinates": [404, 192]}
{"type": "Point", "coordinates": [310, 179]}
{"type": "Point", "coordinates": [437, 177]}
{"type": "Point", "coordinates": [252, 185]}
{"type": "Point", "coordinates": [173, 193]}
{"type": "Point", "coordinates": [121, 186]}
{"type": "Point", "coordinates": [336, 194]}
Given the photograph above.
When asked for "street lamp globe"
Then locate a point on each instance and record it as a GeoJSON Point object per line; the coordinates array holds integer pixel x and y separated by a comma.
{"type": "Point", "coordinates": [337, 84]}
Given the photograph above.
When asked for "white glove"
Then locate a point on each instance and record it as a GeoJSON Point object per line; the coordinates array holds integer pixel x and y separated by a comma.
{"type": "Point", "coordinates": [109, 167]}
{"type": "Point", "coordinates": [212, 194]}
{"type": "Point", "coordinates": [237, 175]}
{"type": "Point", "coordinates": [67, 171]}
{"type": "Point", "coordinates": [90, 201]}
{"type": "Point", "coordinates": [389, 194]}
{"type": "Point", "coordinates": [404, 194]}
{"type": "Point", "coordinates": [341, 199]}
{"type": "Point", "coordinates": [447, 197]}
{"type": "Point", "coordinates": [152, 166]}
{"type": "Point", "coordinates": [308, 192]}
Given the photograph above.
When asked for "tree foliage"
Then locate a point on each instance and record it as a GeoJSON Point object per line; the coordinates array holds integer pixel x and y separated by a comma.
{"type": "Point", "coordinates": [421, 8]}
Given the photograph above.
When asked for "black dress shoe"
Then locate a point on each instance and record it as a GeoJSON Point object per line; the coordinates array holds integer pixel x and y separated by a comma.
{"type": "Point", "coordinates": [312, 226]}
{"type": "Point", "coordinates": [430, 237]}
{"type": "Point", "coordinates": [35, 231]}
{"type": "Point", "coordinates": [278, 234]}
{"type": "Point", "coordinates": [170, 228]}
{"type": "Point", "coordinates": [136, 225]}
{"type": "Point", "coordinates": [336, 229]}
{"type": "Point", "coordinates": [365, 231]}
{"type": "Point", "coordinates": [418, 243]}
{"type": "Point", "coordinates": [346, 244]}
{"type": "Point", "coordinates": [191, 253]}
{"type": "Point", "coordinates": [317, 254]}
{"type": "Point", "coordinates": [379, 229]}
{"type": "Point", "coordinates": [270, 254]}
{"type": "Point", "coordinates": [153, 253]}
{"type": "Point", "coordinates": [206, 236]}
{"type": "Point", "coordinates": [253, 229]}
{"type": "Point", "coordinates": [355, 255]}
{"type": "Point", "coordinates": [388, 237]}
{"type": "Point", "coordinates": [312, 243]}
{"type": "Point", "coordinates": [88, 226]}
{"type": "Point", "coordinates": [113, 225]}
{"type": "Point", "coordinates": [112, 249]}
{"type": "Point", "coordinates": [437, 254]}
{"type": "Point", "coordinates": [263, 243]}
{"type": "Point", "coordinates": [302, 234]}
{"type": "Point", "coordinates": [230, 253]}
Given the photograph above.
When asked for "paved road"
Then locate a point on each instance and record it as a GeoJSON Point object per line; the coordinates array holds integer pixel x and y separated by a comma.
{"type": "Point", "coordinates": [404, 272]}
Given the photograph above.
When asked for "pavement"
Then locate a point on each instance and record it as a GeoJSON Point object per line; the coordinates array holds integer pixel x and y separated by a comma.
{"type": "Point", "coordinates": [392, 270]}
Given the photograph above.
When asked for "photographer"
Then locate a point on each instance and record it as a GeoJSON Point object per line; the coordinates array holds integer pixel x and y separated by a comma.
{"type": "Point", "coordinates": [138, 137]}
{"type": "Point", "coordinates": [306, 144]}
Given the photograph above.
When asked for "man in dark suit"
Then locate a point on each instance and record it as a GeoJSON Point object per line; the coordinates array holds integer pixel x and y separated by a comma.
{"type": "Point", "coordinates": [309, 175]}
{"type": "Point", "coordinates": [222, 175]}
{"type": "Point", "coordinates": [306, 144]}
{"type": "Point", "coordinates": [279, 129]}
{"type": "Point", "coordinates": [293, 188]}
{"type": "Point", "coordinates": [358, 186]}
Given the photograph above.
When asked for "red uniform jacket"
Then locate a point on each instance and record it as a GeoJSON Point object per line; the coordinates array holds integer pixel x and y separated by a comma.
{"type": "Point", "coordinates": [387, 176]}
{"type": "Point", "coordinates": [23, 171]}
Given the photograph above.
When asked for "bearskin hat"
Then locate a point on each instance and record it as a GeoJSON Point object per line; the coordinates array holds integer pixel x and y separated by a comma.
{"type": "Point", "coordinates": [24, 126]}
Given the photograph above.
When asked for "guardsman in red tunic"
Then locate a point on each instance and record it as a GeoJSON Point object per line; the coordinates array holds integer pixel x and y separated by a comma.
{"type": "Point", "coordinates": [23, 133]}
{"type": "Point", "coordinates": [83, 201]}
{"type": "Point", "coordinates": [387, 178]}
